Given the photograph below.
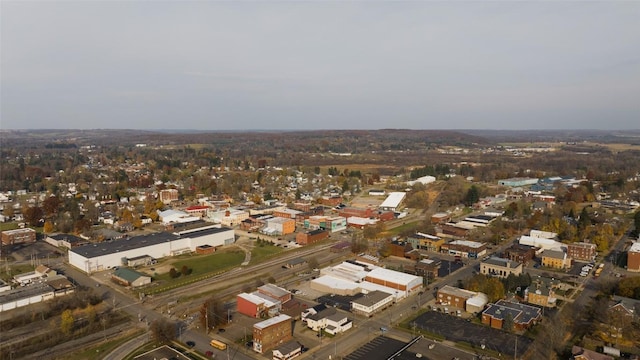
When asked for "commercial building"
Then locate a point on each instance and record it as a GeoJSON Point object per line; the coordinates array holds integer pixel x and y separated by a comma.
{"type": "Point", "coordinates": [633, 257]}
{"type": "Point", "coordinates": [517, 182]}
{"type": "Point", "coordinates": [105, 255]}
{"type": "Point", "coordinates": [255, 306]}
{"type": "Point", "coordinates": [271, 333]}
{"type": "Point", "coordinates": [426, 242]}
{"type": "Point", "coordinates": [454, 297]}
{"type": "Point", "coordinates": [499, 267]}
{"type": "Point", "coordinates": [44, 290]}
{"type": "Point", "coordinates": [65, 240]}
{"type": "Point", "coordinates": [582, 251]}
{"type": "Point", "coordinates": [522, 316]}
{"type": "Point", "coordinates": [18, 236]}
{"type": "Point", "coordinates": [331, 224]}
{"type": "Point", "coordinates": [279, 226]}
{"type": "Point", "coordinates": [312, 236]}
{"type": "Point", "coordinates": [464, 248]}
{"type": "Point", "coordinates": [556, 259]}
{"type": "Point", "coordinates": [275, 292]}
{"type": "Point", "coordinates": [393, 201]}
{"type": "Point", "coordinates": [372, 303]}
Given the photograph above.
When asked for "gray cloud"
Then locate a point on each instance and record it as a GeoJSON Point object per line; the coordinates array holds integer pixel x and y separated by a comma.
{"type": "Point", "coordinates": [318, 65]}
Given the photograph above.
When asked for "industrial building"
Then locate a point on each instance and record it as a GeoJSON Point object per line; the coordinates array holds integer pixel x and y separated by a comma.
{"type": "Point", "coordinates": [106, 255]}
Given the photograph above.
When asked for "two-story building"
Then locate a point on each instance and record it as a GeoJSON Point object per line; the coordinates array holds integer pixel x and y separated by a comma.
{"type": "Point", "coordinates": [499, 267]}
{"type": "Point", "coordinates": [556, 259]}
{"type": "Point", "coordinates": [465, 248]}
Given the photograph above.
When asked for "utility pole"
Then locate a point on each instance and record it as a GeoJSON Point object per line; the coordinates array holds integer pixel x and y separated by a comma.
{"type": "Point", "coordinates": [515, 350]}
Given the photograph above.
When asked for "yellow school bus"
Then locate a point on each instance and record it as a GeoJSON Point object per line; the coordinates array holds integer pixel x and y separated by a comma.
{"type": "Point", "coordinates": [218, 344]}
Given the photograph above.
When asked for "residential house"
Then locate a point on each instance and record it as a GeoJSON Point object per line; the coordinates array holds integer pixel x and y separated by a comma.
{"type": "Point", "coordinates": [330, 320]}
{"type": "Point", "coordinates": [542, 292]}
{"type": "Point", "coordinates": [580, 353]}
{"type": "Point", "coordinates": [289, 350]}
{"type": "Point", "coordinates": [627, 307]}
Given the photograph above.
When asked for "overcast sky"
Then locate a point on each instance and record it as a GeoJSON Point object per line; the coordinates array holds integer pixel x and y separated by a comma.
{"type": "Point", "coordinates": [244, 65]}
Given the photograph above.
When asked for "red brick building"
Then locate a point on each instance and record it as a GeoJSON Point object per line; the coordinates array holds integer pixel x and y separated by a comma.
{"type": "Point", "coordinates": [519, 253]}
{"type": "Point", "coordinates": [18, 236]}
{"type": "Point", "coordinates": [310, 237]}
{"type": "Point", "coordinates": [271, 333]}
{"type": "Point", "coordinates": [582, 251]}
{"type": "Point", "coordinates": [633, 257]}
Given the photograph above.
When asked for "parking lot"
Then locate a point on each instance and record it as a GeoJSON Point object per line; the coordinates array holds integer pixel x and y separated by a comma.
{"type": "Point", "coordinates": [460, 330]}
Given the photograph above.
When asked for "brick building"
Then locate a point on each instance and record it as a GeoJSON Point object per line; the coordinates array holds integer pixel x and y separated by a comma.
{"type": "Point", "coordinates": [168, 195]}
{"type": "Point", "coordinates": [520, 253]}
{"type": "Point", "coordinates": [453, 296]}
{"type": "Point", "coordinates": [426, 242]}
{"type": "Point", "coordinates": [272, 332]}
{"type": "Point", "coordinates": [523, 316]}
{"type": "Point", "coordinates": [582, 251]}
{"type": "Point", "coordinates": [18, 236]}
{"type": "Point", "coordinates": [633, 257]}
{"type": "Point", "coordinates": [310, 237]}
{"type": "Point", "coordinates": [464, 248]}
{"type": "Point", "coordinates": [399, 248]}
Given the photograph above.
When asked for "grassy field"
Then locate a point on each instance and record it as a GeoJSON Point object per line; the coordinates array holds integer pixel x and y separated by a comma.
{"type": "Point", "coordinates": [202, 266]}
{"type": "Point", "coordinates": [260, 253]}
{"type": "Point", "coordinates": [15, 270]}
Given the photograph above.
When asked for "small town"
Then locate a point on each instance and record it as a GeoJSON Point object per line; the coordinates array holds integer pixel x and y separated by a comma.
{"type": "Point", "coordinates": [319, 180]}
{"type": "Point", "coordinates": [145, 257]}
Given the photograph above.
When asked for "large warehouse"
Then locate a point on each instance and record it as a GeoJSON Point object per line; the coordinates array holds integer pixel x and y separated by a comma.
{"type": "Point", "coordinates": [105, 255]}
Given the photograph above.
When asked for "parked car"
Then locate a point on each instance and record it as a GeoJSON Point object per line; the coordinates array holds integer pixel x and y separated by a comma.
{"type": "Point", "coordinates": [190, 343]}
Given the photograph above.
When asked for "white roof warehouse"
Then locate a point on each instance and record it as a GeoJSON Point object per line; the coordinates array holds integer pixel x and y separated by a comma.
{"type": "Point", "coordinates": [105, 255]}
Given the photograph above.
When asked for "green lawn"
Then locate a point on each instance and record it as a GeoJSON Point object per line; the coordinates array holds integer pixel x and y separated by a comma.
{"type": "Point", "coordinates": [262, 252]}
{"type": "Point", "coordinates": [399, 229]}
{"type": "Point", "coordinates": [203, 266]}
{"type": "Point", "coordinates": [211, 263]}
{"type": "Point", "coordinates": [15, 270]}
